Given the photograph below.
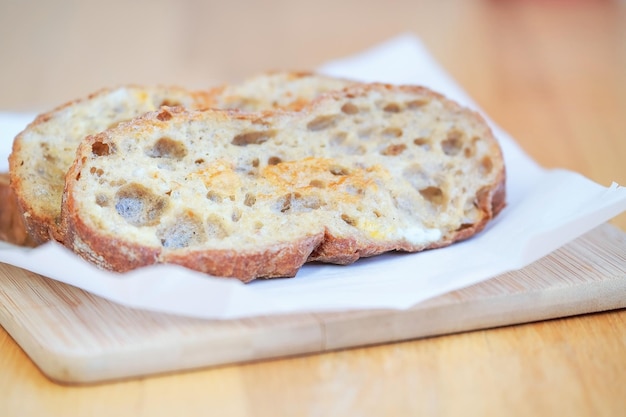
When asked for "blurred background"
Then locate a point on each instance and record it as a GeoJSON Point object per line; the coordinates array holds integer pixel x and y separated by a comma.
{"type": "Point", "coordinates": [551, 72]}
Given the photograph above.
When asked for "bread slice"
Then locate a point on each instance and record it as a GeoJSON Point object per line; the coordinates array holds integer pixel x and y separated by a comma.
{"type": "Point", "coordinates": [12, 227]}
{"type": "Point", "coordinates": [358, 172]}
{"type": "Point", "coordinates": [44, 151]}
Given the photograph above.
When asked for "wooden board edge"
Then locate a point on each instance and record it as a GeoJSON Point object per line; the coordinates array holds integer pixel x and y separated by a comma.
{"type": "Point", "coordinates": [289, 339]}
{"type": "Point", "coordinates": [336, 332]}
{"type": "Point", "coordinates": [485, 313]}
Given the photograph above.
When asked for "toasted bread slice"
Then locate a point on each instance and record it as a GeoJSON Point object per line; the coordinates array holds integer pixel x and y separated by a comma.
{"type": "Point", "coordinates": [44, 151]}
{"type": "Point", "coordinates": [357, 172]}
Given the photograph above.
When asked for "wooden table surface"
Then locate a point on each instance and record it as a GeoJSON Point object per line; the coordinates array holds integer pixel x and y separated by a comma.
{"type": "Point", "coordinates": [551, 73]}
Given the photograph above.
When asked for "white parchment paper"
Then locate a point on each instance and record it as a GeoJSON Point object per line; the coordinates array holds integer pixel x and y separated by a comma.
{"type": "Point", "coordinates": [546, 209]}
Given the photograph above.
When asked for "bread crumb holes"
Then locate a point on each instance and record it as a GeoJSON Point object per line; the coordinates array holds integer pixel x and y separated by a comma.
{"type": "Point", "coordinates": [322, 122]}
{"type": "Point", "coordinates": [433, 194]}
{"type": "Point", "coordinates": [253, 138]}
{"type": "Point", "coordinates": [453, 144]}
{"type": "Point", "coordinates": [349, 108]}
{"type": "Point", "coordinates": [138, 205]}
{"type": "Point", "coordinates": [100, 148]}
{"type": "Point", "coordinates": [167, 148]}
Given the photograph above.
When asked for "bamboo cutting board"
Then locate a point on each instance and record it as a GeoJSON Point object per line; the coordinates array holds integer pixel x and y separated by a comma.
{"type": "Point", "coordinates": [76, 337]}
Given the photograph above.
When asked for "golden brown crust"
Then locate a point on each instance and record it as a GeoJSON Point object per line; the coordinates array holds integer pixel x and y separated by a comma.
{"type": "Point", "coordinates": [276, 261]}
{"type": "Point", "coordinates": [12, 227]}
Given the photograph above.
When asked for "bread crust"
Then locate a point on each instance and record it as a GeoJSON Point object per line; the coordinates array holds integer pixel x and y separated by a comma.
{"type": "Point", "coordinates": [278, 260]}
{"type": "Point", "coordinates": [12, 227]}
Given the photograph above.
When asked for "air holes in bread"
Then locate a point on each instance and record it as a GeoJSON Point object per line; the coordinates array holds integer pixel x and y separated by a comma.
{"type": "Point", "coordinates": [392, 132]}
{"type": "Point", "coordinates": [486, 165]}
{"type": "Point", "coordinates": [297, 203]}
{"type": "Point", "coordinates": [470, 150]}
{"type": "Point", "coordinates": [415, 104]}
{"type": "Point", "coordinates": [309, 202]}
{"type": "Point", "coordinates": [322, 122]}
{"type": "Point", "coordinates": [317, 184]}
{"type": "Point", "coordinates": [393, 150]}
{"type": "Point", "coordinates": [349, 219]}
{"type": "Point", "coordinates": [214, 196]}
{"type": "Point", "coordinates": [100, 148]}
{"type": "Point", "coordinates": [349, 108]}
{"type": "Point", "coordinates": [338, 170]}
{"type": "Point", "coordinates": [164, 115]}
{"type": "Point", "coordinates": [49, 157]}
{"type": "Point", "coordinates": [392, 108]}
{"type": "Point", "coordinates": [253, 138]}
{"type": "Point", "coordinates": [249, 199]}
{"type": "Point", "coordinates": [102, 200]}
{"type": "Point", "coordinates": [185, 231]}
{"type": "Point", "coordinates": [167, 148]}
{"type": "Point", "coordinates": [274, 160]}
{"type": "Point", "coordinates": [215, 227]}
{"type": "Point", "coordinates": [284, 203]}
{"type": "Point", "coordinates": [96, 171]}
{"type": "Point", "coordinates": [453, 144]}
{"type": "Point", "coordinates": [433, 195]}
{"type": "Point", "coordinates": [422, 142]}
{"type": "Point", "coordinates": [138, 205]}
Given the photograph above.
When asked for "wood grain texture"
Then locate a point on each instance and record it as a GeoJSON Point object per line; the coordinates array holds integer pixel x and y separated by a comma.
{"type": "Point", "coordinates": [75, 337]}
{"type": "Point", "coordinates": [551, 73]}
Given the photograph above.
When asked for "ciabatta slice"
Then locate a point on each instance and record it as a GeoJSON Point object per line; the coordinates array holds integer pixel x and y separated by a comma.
{"type": "Point", "coordinates": [44, 151]}
{"type": "Point", "coordinates": [366, 170]}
